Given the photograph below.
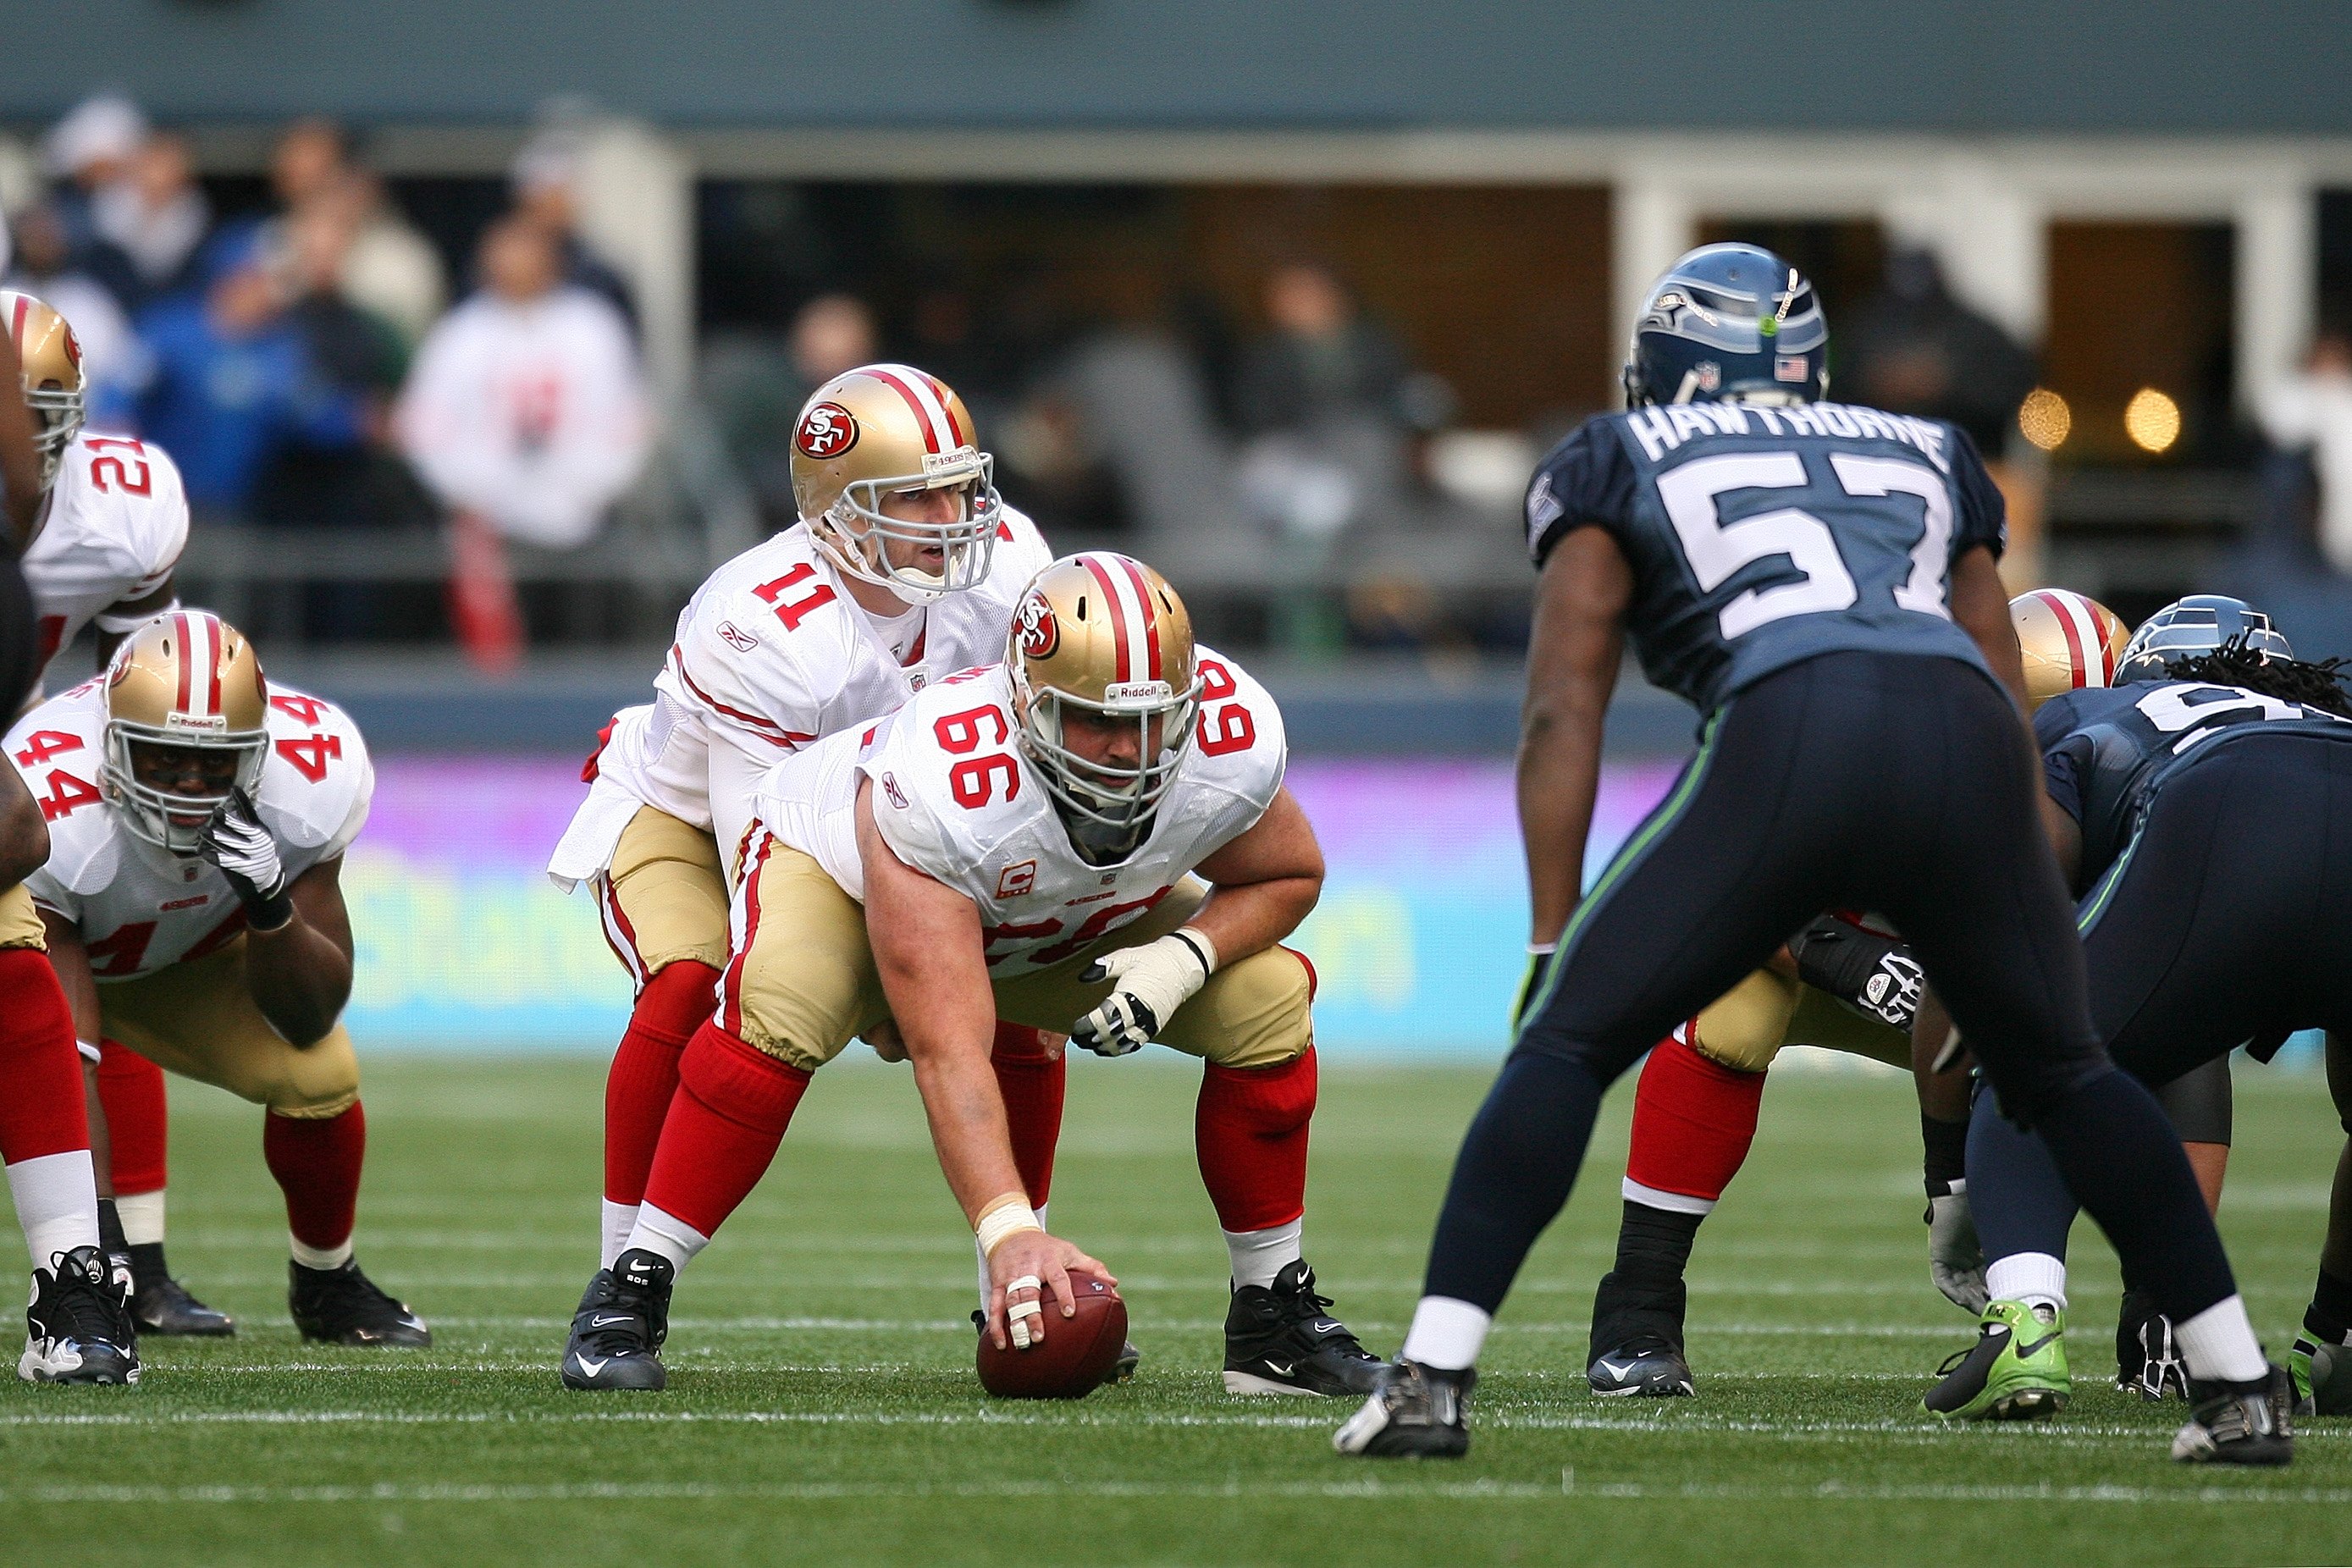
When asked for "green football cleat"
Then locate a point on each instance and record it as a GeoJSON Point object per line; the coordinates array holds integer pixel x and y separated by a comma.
{"type": "Point", "coordinates": [2015, 1371]}
{"type": "Point", "coordinates": [2320, 1368]}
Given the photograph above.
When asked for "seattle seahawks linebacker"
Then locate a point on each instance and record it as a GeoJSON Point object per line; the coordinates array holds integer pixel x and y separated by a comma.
{"type": "Point", "coordinates": [1819, 581]}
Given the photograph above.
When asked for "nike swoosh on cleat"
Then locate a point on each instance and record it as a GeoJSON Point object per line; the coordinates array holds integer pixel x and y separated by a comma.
{"type": "Point", "coordinates": [1612, 1368]}
{"type": "Point", "coordinates": [590, 1368]}
{"type": "Point", "coordinates": [2028, 1350]}
{"type": "Point", "coordinates": [599, 1322]}
{"type": "Point", "coordinates": [1280, 1369]}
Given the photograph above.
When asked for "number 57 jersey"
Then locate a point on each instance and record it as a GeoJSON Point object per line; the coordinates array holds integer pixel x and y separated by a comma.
{"type": "Point", "coordinates": [138, 908]}
{"type": "Point", "coordinates": [1762, 536]}
{"type": "Point", "coordinates": [954, 798]}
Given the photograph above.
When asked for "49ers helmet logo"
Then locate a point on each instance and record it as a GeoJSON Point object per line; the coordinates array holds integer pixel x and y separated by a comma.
{"type": "Point", "coordinates": [826, 430]}
{"type": "Point", "coordinates": [1041, 634]}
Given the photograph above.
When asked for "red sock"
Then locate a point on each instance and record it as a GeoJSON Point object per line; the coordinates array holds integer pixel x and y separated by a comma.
{"type": "Point", "coordinates": [676, 1002]}
{"type": "Point", "coordinates": [732, 1105]}
{"type": "Point", "coordinates": [1249, 1130]}
{"type": "Point", "coordinates": [41, 1109]}
{"type": "Point", "coordinates": [317, 1162]}
{"type": "Point", "coordinates": [138, 1122]}
{"type": "Point", "coordinates": [1693, 1122]}
{"type": "Point", "coordinates": [1032, 1084]}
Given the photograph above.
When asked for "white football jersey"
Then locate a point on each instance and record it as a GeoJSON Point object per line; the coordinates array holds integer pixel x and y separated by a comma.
{"type": "Point", "coordinates": [954, 798]}
{"type": "Point", "coordinates": [772, 655]}
{"type": "Point", "coordinates": [138, 908]}
{"type": "Point", "coordinates": [115, 523]}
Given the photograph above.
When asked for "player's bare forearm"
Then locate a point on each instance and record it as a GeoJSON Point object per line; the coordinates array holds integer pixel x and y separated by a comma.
{"type": "Point", "coordinates": [1942, 1095]}
{"type": "Point", "coordinates": [20, 460]}
{"type": "Point", "coordinates": [1262, 884]}
{"type": "Point", "coordinates": [70, 960]}
{"type": "Point", "coordinates": [301, 974]}
{"type": "Point", "coordinates": [1573, 651]}
{"type": "Point", "coordinates": [1979, 604]}
{"type": "Point", "coordinates": [926, 942]}
{"type": "Point", "coordinates": [23, 835]}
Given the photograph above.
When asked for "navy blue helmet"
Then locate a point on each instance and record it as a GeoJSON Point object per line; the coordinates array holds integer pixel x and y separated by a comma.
{"type": "Point", "coordinates": [1729, 323]}
{"type": "Point", "coordinates": [2198, 623]}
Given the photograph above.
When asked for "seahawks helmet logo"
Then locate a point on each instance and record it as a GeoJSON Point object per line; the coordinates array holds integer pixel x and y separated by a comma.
{"type": "Point", "coordinates": [1036, 633]}
{"type": "Point", "coordinates": [826, 431]}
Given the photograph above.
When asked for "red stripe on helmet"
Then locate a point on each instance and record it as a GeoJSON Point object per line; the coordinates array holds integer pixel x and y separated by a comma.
{"type": "Point", "coordinates": [16, 320]}
{"type": "Point", "coordinates": [220, 654]}
{"type": "Point", "coordinates": [187, 661]}
{"type": "Point", "coordinates": [2106, 651]}
{"type": "Point", "coordinates": [947, 406]}
{"type": "Point", "coordinates": [2057, 607]}
{"type": "Point", "coordinates": [930, 431]}
{"type": "Point", "coordinates": [1150, 617]}
{"type": "Point", "coordinates": [1117, 614]}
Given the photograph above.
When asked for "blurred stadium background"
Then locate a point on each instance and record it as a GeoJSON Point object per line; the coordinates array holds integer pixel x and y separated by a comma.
{"type": "Point", "coordinates": [1286, 299]}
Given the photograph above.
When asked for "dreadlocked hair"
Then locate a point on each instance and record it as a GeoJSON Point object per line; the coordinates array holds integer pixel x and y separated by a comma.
{"type": "Point", "coordinates": [2320, 686]}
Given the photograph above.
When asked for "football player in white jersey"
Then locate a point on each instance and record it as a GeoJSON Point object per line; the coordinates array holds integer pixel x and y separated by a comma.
{"type": "Point", "coordinates": [197, 825]}
{"type": "Point", "coordinates": [1022, 838]}
{"type": "Point", "coordinates": [78, 1324]}
{"type": "Point", "coordinates": [905, 568]}
{"type": "Point", "coordinates": [113, 521]}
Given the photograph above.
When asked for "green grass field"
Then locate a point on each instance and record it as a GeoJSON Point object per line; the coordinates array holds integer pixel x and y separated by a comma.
{"type": "Point", "coordinates": [822, 1403]}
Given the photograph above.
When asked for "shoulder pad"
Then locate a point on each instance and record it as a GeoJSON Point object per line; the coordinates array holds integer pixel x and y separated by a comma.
{"type": "Point", "coordinates": [318, 780]}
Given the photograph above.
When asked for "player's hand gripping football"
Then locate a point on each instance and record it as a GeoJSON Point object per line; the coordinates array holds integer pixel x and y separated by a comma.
{"type": "Point", "coordinates": [1028, 1271]}
{"type": "Point", "coordinates": [236, 841]}
{"type": "Point", "coordinates": [1147, 984]}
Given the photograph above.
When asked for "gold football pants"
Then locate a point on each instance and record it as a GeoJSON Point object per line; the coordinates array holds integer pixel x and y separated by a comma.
{"type": "Point", "coordinates": [802, 983]}
{"type": "Point", "coordinates": [665, 897]}
{"type": "Point", "coordinates": [20, 923]}
{"type": "Point", "coordinates": [198, 1019]}
{"type": "Point", "coordinates": [1746, 1026]}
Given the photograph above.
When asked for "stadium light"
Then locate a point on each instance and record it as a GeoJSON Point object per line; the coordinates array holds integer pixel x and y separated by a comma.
{"type": "Point", "coordinates": [2152, 420]}
{"type": "Point", "coordinates": [2044, 419]}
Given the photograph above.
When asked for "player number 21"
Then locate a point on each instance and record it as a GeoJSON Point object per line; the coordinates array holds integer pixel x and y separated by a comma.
{"type": "Point", "coordinates": [1717, 549]}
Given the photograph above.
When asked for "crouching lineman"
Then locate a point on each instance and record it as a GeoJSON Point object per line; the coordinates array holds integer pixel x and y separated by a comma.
{"type": "Point", "coordinates": [1845, 986]}
{"type": "Point", "coordinates": [197, 823]}
{"type": "Point", "coordinates": [904, 568]}
{"type": "Point", "coordinates": [107, 536]}
{"type": "Point", "coordinates": [78, 1324]}
{"type": "Point", "coordinates": [1020, 836]}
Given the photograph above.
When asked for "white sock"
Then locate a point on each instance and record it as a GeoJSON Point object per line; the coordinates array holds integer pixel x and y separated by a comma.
{"type": "Point", "coordinates": [56, 1202]}
{"type": "Point", "coordinates": [666, 1235]}
{"type": "Point", "coordinates": [1259, 1255]}
{"type": "Point", "coordinates": [983, 1258]}
{"type": "Point", "coordinates": [619, 1219]}
{"type": "Point", "coordinates": [141, 1214]}
{"type": "Point", "coordinates": [2218, 1345]}
{"type": "Point", "coordinates": [1447, 1334]}
{"type": "Point", "coordinates": [2035, 1278]}
{"type": "Point", "coordinates": [1633, 1192]}
{"type": "Point", "coordinates": [321, 1256]}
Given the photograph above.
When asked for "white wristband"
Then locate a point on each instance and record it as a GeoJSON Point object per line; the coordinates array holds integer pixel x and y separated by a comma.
{"type": "Point", "coordinates": [1007, 1217]}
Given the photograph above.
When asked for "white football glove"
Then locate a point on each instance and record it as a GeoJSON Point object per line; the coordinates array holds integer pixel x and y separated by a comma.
{"type": "Point", "coordinates": [236, 841]}
{"type": "Point", "coordinates": [1149, 983]}
{"type": "Point", "coordinates": [1955, 1258]}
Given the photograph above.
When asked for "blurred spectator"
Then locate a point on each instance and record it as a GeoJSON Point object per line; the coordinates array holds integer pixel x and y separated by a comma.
{"type": "Point", "coordinates": [388, 269]}
{"type": "Point", "coordinates": [155, 214]}
{"type": "Point", "coordinates": [118, 363]}
{"type": "Point", "coordinates": [2310, 413]}
{"type": "Point", "coordinates": [89, 151]}
{"type": "Point", "coordinates": [526, 404]}
{"type": "Point", "coordinates": [235, 380]}
{"type": "Point", "coordinates": [546, 176]}
{"type": "Point", "coordinates": [1914, 349]}
{"type": "Point", "coordinates": [755, 387]}
{"type": "Point", "coordinates": [1322, 363]}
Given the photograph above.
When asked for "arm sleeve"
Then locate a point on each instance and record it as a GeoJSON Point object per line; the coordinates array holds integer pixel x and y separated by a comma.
{"type": "Point", "coordinates": [1983, 514]}
{"type": "Point", "coordinates": [1584, 481]}
{"type": "Point", "coordinates": [2065, 754]}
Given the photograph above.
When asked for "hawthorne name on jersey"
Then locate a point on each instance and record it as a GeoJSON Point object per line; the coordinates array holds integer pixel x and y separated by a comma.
{"type": "Point", "coordinates": [1663, 428]}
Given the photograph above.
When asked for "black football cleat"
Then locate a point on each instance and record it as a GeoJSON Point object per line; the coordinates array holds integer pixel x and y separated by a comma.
{"type": "Point", "coordinates": [343, 1306]}
{"type": "Point", "coordinates": [162, 1305]}
{"type": "Point", "coordinates": [1647, 1365]}
{"type": "Point", "coordinates": [617, 1333]}
{"type": "Point", "coordinates": [2148, 1358]}
{"type": "Point", "coordinates": [1414, 1411]}
{"type": "Point", "coordinates": [78, 1327]}
{"type": "Point", "coordinates": [1285, 1341]}
{"type": "Point", "coordinates": [1123, 1369]}
{"type": "Point", "coordinates": [2239, 1423]}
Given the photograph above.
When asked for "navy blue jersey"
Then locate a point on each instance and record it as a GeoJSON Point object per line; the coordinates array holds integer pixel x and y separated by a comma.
{"type": "Point", "coordinates": [2105, 750]}
{"type": "Point", "coordinates": [1759, 537]}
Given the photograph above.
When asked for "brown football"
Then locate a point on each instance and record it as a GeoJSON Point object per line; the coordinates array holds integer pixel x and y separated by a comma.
{"type": "Point", "coordinates": [1078, 1352]}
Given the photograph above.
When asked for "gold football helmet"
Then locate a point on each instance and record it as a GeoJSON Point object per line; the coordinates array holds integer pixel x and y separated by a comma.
{"type": "Point", "coordinates": [187, 720]}
{"type": "Point", "coordinates": [2070, 641]}
{"type": "Point", "coordinates": [54, 382]}
{"type": "Point", "coordinates": [1103, 638]}
{"type": "Point", "coordinates": [883, 429]}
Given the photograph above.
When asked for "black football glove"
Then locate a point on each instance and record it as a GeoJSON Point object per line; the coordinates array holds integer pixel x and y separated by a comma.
{"type": "Point", "coordinates": [236, 841]}
{"type": "Point", "coordinates": [1873, 975]}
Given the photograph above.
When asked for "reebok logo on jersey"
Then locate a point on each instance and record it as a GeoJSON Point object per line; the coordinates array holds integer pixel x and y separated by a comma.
{"type": "Point", "coordinates": [737, 637]}
{"type": "Point", "coordinates": [890, 788]}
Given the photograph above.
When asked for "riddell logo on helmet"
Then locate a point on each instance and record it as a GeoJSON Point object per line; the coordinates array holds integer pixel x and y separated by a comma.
{"type": "Point", "coordinates": [827, 431]}
{"type": "Point", "coordinates": [1041, 634]}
